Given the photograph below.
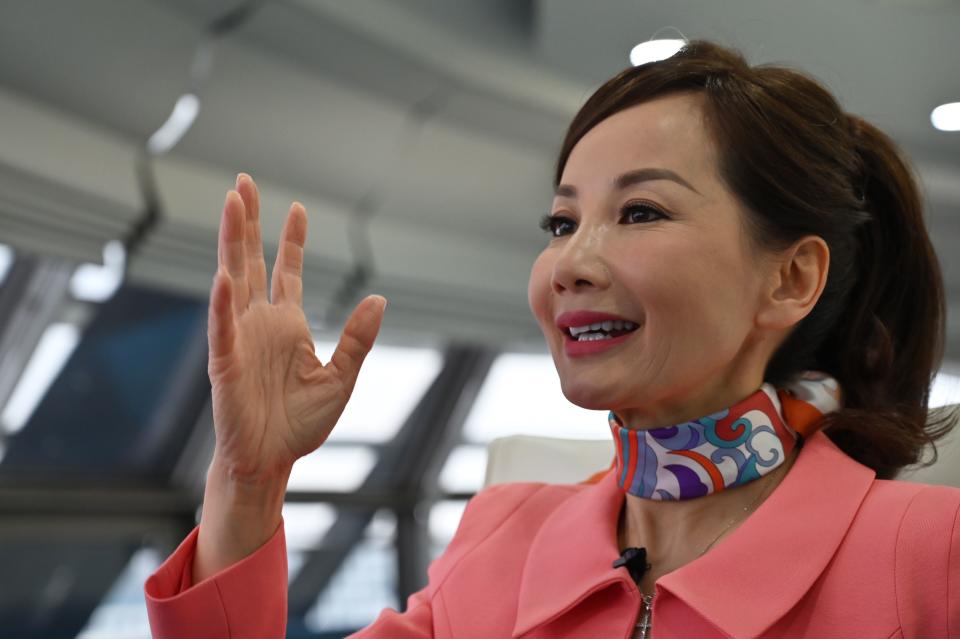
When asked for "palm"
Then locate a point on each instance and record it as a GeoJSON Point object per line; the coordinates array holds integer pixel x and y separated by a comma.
{"type": "Point", "coordinates": [273, 400]}
{"type": "Point", "coordinates": [271, 408]}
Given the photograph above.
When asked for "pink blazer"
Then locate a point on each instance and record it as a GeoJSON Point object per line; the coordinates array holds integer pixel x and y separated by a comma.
{"type": "Point", "coordinates": [832, 552]}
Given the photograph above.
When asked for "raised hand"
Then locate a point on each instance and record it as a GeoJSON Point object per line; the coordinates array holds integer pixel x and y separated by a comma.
{"type": "Point", "coordinates": [273, 400]}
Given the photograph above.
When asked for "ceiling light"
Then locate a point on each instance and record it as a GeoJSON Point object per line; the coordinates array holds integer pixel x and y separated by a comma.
{"type": "Point", "coordinates": [946, 117]}
{"type": "Point", "coordinates": [96, 283]}
{"type": "Point", "coordinates": [181, 118]}
{"type": "Point", "coordinates": [654, 50]}
{"type": "Point", "coordinates": [6, 259]}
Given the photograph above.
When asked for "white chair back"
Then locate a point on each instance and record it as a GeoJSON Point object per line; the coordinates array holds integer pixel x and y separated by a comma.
{"type": "Point", "coordinates": [547, 459]}
{"type": "Point", "coordinates": [568, 461]}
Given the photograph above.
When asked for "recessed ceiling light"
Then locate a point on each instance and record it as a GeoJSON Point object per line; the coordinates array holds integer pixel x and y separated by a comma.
{"type": "Point", "coordinates": [653, 50]}
{"type": "Point", "coordinates": [946, 117]}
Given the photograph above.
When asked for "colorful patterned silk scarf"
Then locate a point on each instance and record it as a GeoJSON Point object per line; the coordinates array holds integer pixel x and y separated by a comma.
{"type": "Point", "coordinates": [725, 449]}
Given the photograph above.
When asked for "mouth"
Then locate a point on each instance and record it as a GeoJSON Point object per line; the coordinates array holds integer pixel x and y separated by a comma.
{"type": "Point", "coordinates": [600, 330]}
{"type": "Point", "coordinates": [593, 326]}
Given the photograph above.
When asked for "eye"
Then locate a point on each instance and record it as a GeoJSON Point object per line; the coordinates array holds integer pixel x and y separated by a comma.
{"type": "Point", "coordinates": [639, 212]}
{"type": "Point", "coordinates": [556, 225]}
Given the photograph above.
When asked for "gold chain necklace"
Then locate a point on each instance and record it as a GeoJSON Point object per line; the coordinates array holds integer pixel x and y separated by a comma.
{"type": "Point", "coordinates": [739, 516]}
{"type": "Point", "coordinates": [645, 624]}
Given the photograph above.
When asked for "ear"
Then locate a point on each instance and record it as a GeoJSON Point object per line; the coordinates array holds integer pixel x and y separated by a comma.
{"type": "Point", "coordinates": [796, 283]}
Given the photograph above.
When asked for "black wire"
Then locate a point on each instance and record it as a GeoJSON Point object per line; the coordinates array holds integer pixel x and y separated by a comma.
{"type": "Point", "coordinates": [370, 203]}
{"type": "Point", "coordinates": [197, 76]}
{"type": "Point", "coordinates": [235, 18]}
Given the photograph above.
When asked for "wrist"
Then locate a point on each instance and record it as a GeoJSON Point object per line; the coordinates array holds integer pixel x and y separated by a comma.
{"type": "Point", "coordinates": [253, 504]}
{"type": "Point", "coordinates": [239, 515]}
{"type": "Point", "coordinates": [247, 487]}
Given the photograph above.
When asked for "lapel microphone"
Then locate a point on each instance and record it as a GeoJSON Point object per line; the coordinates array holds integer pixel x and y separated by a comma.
{"type": "Point", "coordinates": [635, 559]}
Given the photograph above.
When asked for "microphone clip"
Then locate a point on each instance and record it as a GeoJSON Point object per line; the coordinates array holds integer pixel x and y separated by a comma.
{"type": "Point", "coordinates": [635, 559]}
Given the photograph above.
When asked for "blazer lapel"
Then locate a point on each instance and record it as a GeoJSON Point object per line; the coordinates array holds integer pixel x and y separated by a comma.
{"type": "Point", "coordinates": [778, 553]}
{"type": "Point", "coordinates": [572, 554]}
{"type": "Point", "coordinates": [771, 560]}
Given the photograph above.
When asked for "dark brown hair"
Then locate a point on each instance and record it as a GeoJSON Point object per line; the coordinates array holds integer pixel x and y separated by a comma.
{"type": "Point", "coordinates": [800, 165]}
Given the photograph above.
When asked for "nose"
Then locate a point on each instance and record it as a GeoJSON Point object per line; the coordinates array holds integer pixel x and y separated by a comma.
{"type": "Point", "coordinates": [580, 264]}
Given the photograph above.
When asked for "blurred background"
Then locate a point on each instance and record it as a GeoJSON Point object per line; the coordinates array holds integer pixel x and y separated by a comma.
{"type": "Point", "coordinates": [421, 136]}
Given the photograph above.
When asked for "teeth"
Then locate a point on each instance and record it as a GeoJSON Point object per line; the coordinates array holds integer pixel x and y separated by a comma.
{"type": "Point", "coordinates": [607, 325]}
{"type": "Point", "coordinates": [592, 337]}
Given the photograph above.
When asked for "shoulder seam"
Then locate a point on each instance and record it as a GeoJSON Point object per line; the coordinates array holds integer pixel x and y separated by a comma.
{"type": "Point", "coordinates": [896, 553]}
{"type": "Point", "coordinates": [923, 488]}
{"type": "Point", "coordinates": [446, 612]}
{"type": "Point", "coordinates": [480, 543]}
{"type": "Point", "coordinates": [223, 608]}
{"type": "Point", "coordinates": [953, 534]}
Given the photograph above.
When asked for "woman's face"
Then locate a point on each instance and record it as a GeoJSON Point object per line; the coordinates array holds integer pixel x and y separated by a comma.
{"type": "Point", "coordinates": [643, 230]}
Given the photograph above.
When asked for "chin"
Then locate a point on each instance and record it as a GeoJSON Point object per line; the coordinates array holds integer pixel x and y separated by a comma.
{"type": "Point", "coordinates": [588, 396]}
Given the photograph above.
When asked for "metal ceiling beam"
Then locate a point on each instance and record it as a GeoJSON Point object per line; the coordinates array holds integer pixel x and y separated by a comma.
{"type": "Point", "coordinates": [92, 501]}
{"type": "Point", "coordinates": [365, 498]}
{"type": "Point", "coordinates": [65, 547]}
{"type": "Point", "coordinates": [407, 470]}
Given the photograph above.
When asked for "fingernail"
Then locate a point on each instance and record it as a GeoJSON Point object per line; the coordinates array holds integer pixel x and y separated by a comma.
{"type": "Point", "coordinates": [239, 176]}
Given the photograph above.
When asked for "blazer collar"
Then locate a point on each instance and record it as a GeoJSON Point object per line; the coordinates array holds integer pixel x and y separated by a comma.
{"type": "Point", "coordinates": [572, 554]}
{"type": "Point", "coordinates": [770, 560]}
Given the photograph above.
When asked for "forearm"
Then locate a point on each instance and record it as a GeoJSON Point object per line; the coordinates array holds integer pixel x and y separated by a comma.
{"type": "Point", "coordinates": [238, 518]}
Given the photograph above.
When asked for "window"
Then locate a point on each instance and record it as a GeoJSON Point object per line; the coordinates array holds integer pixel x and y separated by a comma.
{"type": "Point", "coordinates": [391, 382]}
{"type": "Point", "coordinates": [521, 395]}
{"type": "Point", "coordinates": [123, 614]}
{"type": "Point", "coordinates": [364, 585]}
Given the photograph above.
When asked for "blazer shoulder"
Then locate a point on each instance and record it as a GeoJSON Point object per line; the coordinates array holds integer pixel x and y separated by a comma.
{"type": "Point", "coordinates": [925, 509]}
{"type": "Point", "coordinates": [926, 557]}
{"type": "Point", "coordinates": [495, 507]}
{"type": "Point", "coordinates": [898, 495]}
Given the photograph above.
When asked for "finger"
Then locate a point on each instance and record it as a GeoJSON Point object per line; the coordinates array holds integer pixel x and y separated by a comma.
{"type": "Point", "coordinates": [287, 280]}
{"type": "Point", "coordinates": [221, 329]}
{"type": "Point", "coordinates": [357, 339]}
{"type": "Point", "coordinates": [231, 251]}
{"type": "Point", "coordinates": [253, 243]}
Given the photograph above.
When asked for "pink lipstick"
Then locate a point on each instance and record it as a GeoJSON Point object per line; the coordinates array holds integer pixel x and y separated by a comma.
{"type": "Point", "coordinates": [591, 332]}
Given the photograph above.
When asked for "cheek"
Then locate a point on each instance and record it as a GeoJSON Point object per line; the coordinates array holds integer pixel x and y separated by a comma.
{"type": "Point", "coordinates": [694, 290]}
{"type": "Point", "coordinates": [709, 302]}
{"type": "Point", "coordinates": [538, 289]}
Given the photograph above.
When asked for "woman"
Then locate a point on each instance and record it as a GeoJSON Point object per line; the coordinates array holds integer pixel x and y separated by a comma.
{"type": "Point", "coordinates": [719, 233]}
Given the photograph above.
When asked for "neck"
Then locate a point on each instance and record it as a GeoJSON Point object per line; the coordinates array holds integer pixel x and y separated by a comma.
{"type": "Point", "coordinates": [687, 404]}
{"type": "Point", "coordinates": [675, 533]}
{"type": "Point", "coordinates": [713, 453]}
{"type": "Point", "coordinates": [690, 485]}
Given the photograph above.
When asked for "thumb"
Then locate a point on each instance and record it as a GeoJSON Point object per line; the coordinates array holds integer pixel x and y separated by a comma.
{"type": "Point", "coordinates": [357, 338]}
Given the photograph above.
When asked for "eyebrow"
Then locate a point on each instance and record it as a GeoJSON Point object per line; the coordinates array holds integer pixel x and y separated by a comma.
{"type": "Point", "coordinates": [633, 177]}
